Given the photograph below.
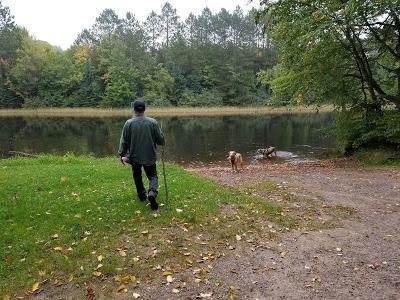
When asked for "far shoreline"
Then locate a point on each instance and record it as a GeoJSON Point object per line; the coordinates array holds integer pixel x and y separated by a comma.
{"type": "Point", "coordinates": [162, 111]}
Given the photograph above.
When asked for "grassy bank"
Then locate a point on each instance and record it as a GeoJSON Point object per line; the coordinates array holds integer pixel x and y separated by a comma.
{"type": "Point", "coordinates": [378, 156]}
{"type": "Point", "coordinates": [153, 111]}
{"type": "Point", "coordinates": [69, 220]}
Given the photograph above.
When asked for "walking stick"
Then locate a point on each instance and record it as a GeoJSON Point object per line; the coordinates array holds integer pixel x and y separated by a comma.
{"type": "Point", "coordinates": [164, 174]}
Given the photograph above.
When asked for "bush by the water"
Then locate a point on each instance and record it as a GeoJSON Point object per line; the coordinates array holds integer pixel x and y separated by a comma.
{"type": "Point", "coordinates": [380, 129]}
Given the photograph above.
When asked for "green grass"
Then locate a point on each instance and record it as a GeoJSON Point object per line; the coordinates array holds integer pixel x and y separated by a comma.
{"type": "Point", "coordinates": [378, 156]}
{"type": "Point", "coordinates": [58, 214]}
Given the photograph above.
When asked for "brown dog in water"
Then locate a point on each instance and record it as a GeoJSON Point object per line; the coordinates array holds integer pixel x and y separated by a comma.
{"type": "Point", "coordinates": [235, 158]}
{"type": "Point", "coordinates": [267, 151]}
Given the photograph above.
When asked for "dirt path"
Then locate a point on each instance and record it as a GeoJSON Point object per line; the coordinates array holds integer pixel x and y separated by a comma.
{"type": "Point", "coordinates": [360, 258]}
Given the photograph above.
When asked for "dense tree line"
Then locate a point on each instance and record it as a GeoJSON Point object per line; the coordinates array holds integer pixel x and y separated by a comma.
{"type": "Point", "coordinates": [209, 59]}
{"type": "Point", "coordinates": [345, 52]}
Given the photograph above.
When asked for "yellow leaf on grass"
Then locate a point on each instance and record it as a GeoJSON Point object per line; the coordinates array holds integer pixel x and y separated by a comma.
{"type": "Point", "coordinates": [122, 252]}
{"type": "Point", "coordinates": [97, 273]}
{"type": "Point", "coordinates": [70, 278]}
{"type": "Point", "coordinates": [58, 248]}
{"type": "Point", "coordinates": [100, 257]}
{"type": "Point", "coordinates": [35, 287]}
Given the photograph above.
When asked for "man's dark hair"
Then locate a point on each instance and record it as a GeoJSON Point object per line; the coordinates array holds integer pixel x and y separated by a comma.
{"type": "Point", "coordinates": [139, 106]}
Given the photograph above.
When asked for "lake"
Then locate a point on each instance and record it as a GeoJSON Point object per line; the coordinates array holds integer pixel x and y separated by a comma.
{"type": "Point", "coordinates": [190, 140]}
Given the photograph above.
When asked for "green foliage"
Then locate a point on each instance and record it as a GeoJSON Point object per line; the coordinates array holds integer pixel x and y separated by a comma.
{"type": "Point", "coordinates": [206, 98]}
{"type": "Point", "coordinates": [360, 130]}
{"type": "Point", "coordinates": [163, 60]}
{"type": "Point", "coordinates": [10, 41]}
{"type": "Point", "coordinates": [378, 156]}
{"type": "Point", "coordinates": [341, 52]}
{"type": "Point", "coordinates": [158, 87]}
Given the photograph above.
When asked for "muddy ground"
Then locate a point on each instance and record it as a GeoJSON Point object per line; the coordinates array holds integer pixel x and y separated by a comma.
{"type": "Point", "coordinates": [357, 259]}
{"type": "Point", "coordinates": [344, 244]}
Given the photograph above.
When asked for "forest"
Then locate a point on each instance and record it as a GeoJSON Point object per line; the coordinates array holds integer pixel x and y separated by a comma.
{"type": "Point", "coordinates": [209, 59]}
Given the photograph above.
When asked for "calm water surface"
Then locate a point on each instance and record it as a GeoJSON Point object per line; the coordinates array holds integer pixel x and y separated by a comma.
{"type": "Point", "coordinates": [189, 139]}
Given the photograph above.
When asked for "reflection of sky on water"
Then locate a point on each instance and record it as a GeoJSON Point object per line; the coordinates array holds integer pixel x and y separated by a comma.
{"type": "Point", "coordinates": [189, 139]}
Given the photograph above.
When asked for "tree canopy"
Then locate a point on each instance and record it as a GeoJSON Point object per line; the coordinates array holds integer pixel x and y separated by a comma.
{"type": "Point", "coordinates": [341, 52]}
{"type": "Point", "coordinates": [205, 59]}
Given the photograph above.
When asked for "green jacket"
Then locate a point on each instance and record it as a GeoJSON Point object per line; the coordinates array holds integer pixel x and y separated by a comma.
{"type": "Point", "coordinates": [139, 138]}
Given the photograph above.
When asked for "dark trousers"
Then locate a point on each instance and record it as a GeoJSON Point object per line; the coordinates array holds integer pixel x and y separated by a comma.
{"type": "Point", "coordinates": [151, 173]}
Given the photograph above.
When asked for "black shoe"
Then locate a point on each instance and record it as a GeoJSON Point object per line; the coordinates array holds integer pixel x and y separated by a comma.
{"type": "Point", "coordinates": [152, 200]}
{"type": "Point", "coordinates": [142, 197]}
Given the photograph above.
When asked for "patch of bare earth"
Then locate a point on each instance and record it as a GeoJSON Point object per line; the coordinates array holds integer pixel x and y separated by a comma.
{"type": "Point", "coordinates": [356, 256]}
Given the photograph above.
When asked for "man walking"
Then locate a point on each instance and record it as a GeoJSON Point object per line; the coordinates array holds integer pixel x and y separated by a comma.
{"type": "Point", "coordinates": [137, 147]}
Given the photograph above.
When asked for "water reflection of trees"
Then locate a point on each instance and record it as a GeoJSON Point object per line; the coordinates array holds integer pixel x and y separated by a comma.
{"type": "Point", "coordinates": [188, 138]}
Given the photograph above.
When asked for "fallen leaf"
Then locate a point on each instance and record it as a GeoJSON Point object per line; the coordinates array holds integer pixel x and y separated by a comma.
{"type": "Point", "coordinates": [58, 248]}
{"type": "Point", "coordinates": [100, 257]}
{"type": "Point", "coordinates": [35, 287]}
{"type": "Point", "coordinates": [176, 291]}
{"type": "Point", "coordinates": [70, 278]}
{"type": "Point", "coordinates": [178, 210]}
{"type": "Point", "coordinates": [166, 273]}
{"type": "Point", "coordinates": [122, 289]}
{"type": "Point", "coordinates": [238, 237]}
{"type": "Point", "coordinates": [54, 236]}
{"type": "Point", "coordinates": [135, 295]}
{"type": "Point", "coordinates": [58, 282]}
{"type": "Point", "coordinates": [97, 273]}
{"type": "Point", "coordinates": [125, 278]}
{"type": "Point", "coordinates": [169, 279]}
